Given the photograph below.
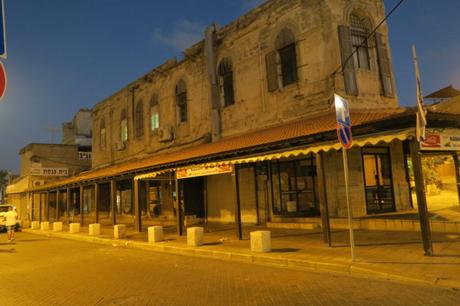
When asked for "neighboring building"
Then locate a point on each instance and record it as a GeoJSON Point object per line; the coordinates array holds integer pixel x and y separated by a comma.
{"type": "Point", "coordinates": [244, 124]}
{"type": "Point", "coordinates": [42, 163]}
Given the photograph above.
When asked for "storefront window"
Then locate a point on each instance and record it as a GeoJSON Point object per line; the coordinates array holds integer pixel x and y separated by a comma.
{"type": "Point", "coordinates": [294, 187]}
{"type": "Point", "coordinates": [377, 179]}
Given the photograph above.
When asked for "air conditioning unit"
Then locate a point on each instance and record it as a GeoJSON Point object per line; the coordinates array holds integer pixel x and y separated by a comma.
{"type": "Point", "coordinates": [38, 183]}
{"type": "Point", "coordinates": [165, 133]}
{"type": "Point", "coordinates": [119, 146]}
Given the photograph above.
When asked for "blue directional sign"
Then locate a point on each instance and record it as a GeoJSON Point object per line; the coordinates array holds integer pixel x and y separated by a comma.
{"type": "Point", "coordinates": [342, 113]}
{"type": "Point", "coordinates": [2, 30]}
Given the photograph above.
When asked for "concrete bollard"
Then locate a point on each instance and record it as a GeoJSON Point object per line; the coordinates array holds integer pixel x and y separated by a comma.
{"type": "Point", "coordinates": [35, 225]}
{"type": "Point", "coordinates": [74, 228]}
{"type": "Point", "coordinates": [194, 236]}
{"type": "Point", "coordinates": [45, 226]}
{"type": "Point", "coordinates": [261, 241]}
{"type": "Point", "coordinates": [119, 231]}
{"type": "Point", "coordinates": [155, 233]}
{"type": "Point", "coordinates": [57, 227]}
{"type": "Point", "coordinates": [94, 229]}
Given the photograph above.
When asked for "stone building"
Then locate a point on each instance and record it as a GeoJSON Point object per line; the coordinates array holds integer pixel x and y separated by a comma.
{"type": "Point", "coordinates": [242, 128]}
{"type": "Point", "coordinates": [42, 163]}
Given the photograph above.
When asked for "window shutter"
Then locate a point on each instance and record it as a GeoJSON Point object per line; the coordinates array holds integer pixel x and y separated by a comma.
{"type": "Point", "coordinates": [346, 49]}
{"type": "Point", "coordinates": [384, 66]}
{"type": "Point", "coordinates": [272, 71]}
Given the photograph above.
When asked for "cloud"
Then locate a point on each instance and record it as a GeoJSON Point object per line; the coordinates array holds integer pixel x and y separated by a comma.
{"type": "Point", "coordinates": [184, 34]}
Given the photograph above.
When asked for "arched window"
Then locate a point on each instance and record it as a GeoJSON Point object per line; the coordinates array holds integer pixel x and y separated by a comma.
{"type": "Point", "coordinates": [225, 73]}
{"type": "Point", "coordinates": [123, 126]}
{"type": "Point", "coordinates": [286, 47]}
{"type": "Point", "coordinates": [281, 63]}
{"type": "Point", "coordinates": [139, 119]}
{"type": "Point", "coordinates": [102, 134]}
{"type": "Point", "coordinates": [181, 100]}
{"type": "Point", "coordinates": [154, 113]}
{"type": "Point", "coordinates": [359, 29]}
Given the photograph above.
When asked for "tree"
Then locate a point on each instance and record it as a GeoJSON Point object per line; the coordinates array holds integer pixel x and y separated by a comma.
{"type": "Point", "coordinates": [3, 182]}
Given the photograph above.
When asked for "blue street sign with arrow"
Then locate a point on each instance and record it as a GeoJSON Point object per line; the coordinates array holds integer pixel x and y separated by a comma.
{"type": "Point", "coordinates": [2, 30]}
{"type": "Point", "coordinates": [342, 112]}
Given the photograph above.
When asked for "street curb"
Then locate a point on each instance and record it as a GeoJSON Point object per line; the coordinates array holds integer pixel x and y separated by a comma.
{"type": "Point", "coordinates": [259, 259]}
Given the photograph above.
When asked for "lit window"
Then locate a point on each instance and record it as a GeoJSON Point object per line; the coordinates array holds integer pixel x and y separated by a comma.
{"type": "Point", "coordinates": [154, 113]}
{"type": "Point", "coordinates": [123, 126]}
{"type": "Point", "coordinates": [102, 135]}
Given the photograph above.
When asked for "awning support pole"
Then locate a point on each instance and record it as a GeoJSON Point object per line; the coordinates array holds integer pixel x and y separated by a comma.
{"type": "Point", "coordinates": [40, 207]}
{"type": "Point", "coordinates": [47, 201]}
{"type": "Point", "coordinates": [81, 205]}
{"type": "Point", "coordinates": [113, 200]}
{"type": "Point", "coordinates": [96, 202]}
{"type": "Point", "coordinates": [236, 188]}
{"type": "Point", "coordinates": [57, 205]}
{"type": "Point", "coordinates": [67, 204]}
{"type": "Point", "coordinates": [180, 219]}
{"type": "Point", "coordinates": [421, 197]}
{"type": "Point", "coordinates": [137, 212]}
{"type": "Point", "coordinates": [457, 173]}
{"type": "Point", "coordinates": [321, 176]}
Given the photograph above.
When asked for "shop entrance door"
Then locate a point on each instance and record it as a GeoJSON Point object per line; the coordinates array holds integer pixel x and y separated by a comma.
{"type": "Point", "coordinates": [194, 197]}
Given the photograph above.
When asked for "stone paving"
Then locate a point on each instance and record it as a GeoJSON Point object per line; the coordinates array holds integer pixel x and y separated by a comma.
{"type": "Point", "coordinates": [392, 255]}
{"type": "Point", "coordinates": [38, 270]}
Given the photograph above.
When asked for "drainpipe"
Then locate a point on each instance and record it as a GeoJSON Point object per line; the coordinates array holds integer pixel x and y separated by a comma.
{"type": "Point", "coordinates": [214, 97]}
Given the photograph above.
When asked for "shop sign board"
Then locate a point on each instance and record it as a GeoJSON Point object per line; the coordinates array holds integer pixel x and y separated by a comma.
{"type": "Point", "coordinates": [441, 140]}
{"type": "Point", "coordinates": [49, 171]}
{"type": "Point", "coordinates": [203, 171]}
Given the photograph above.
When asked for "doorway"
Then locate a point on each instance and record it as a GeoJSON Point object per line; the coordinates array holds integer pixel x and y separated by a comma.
{"type": "Point", "coordinates": [194, 197]}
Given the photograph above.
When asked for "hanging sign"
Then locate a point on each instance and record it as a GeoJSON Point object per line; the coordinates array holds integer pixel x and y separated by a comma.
{"type": "Point", "coordinates": [441, 140]}
{"type": "Point", "coordinates": [202, 171]}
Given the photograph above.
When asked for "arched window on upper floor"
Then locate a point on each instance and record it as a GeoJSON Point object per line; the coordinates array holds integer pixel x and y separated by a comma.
{"type": "Point", "coordinates": [225, 73]}
{"type": "Point", "coordinates": [123, 126]}
{"type": "Point", "coordinates": [181, 100]}
{"type": "Point", "coordinates": [154, 113]}
{"type": "Point", "coordinates": [139, 119]}
{"type": "Point", "coordinates": [359, 51]}
{"type": "Point", "coordinates": [360, 29]}
{"type": "Point", "coordinates": [102, 134]}
{"type": "Point", "coordinates": [282, 62]}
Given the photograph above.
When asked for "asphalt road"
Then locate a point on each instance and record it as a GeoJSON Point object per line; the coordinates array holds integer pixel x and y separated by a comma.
{"type": "Point", "coordinates": [44, 271]}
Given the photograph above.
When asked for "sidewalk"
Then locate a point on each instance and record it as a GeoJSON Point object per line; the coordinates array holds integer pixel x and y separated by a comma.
{"type": "Point", "coordinates": [390, 255]}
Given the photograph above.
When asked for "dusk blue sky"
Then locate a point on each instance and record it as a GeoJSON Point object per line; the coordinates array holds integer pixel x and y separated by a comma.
{"type": "Point", "coordinates": [64, 55]}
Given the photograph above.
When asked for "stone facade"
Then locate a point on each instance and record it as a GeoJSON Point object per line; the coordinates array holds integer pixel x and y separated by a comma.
{"type": "Point", "coordinates": [246, 42]}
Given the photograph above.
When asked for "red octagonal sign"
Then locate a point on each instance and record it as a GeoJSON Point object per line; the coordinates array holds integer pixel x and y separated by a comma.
{"type": "Point", "coordinates": [2, 80]}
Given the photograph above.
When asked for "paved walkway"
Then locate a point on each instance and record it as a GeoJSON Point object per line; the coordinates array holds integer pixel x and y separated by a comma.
{"type": "Point", "coordinates": [390, 255]}
{"type": "Point", "coordinates": [47, 271]}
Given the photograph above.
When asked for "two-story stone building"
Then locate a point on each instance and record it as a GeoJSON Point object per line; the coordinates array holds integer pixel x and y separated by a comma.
{"type": "Point", "coordinates": [242, 128]}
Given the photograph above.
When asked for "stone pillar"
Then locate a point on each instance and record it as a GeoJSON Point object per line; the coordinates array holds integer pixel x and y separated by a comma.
{"type": "Point", "coordinates": [195, 236]}
{"type": "Point", "coordinates": [261, 241]}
